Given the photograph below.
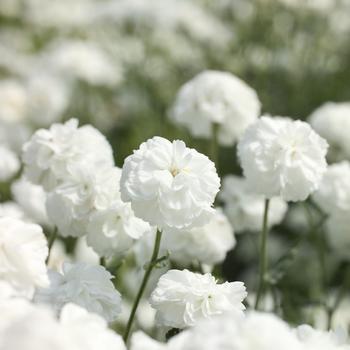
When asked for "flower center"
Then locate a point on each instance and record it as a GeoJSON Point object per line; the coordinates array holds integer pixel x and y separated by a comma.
{"type": "Point", "coordinates": [174, 171]}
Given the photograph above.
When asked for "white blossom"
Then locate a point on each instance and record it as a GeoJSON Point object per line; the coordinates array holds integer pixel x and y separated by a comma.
{"type": "Point", "coordinates": [86, 285]}
{"type": "Point", "coordinates": [31, 199]}
{"type": "Point", "coordinates": [88, 331]}
{"type": "Point", "coordinates": [207, 244]}
{"type": "Point", "coordinates": [169, 185]}
{"type": "Point", "coordinates": [320, 340]}
{"type": "Point", "coordinates": [85, 61]}
{"type": "Point", "coordinates": [216, 97]}
{"type": "Point", "coordinates": [182, 298]}
{"type": "Point", "coordinates": [9, 165]}
{"type": "Point", "coordinates": [22, 255]}
{"type": "Point", "coordinates": [281, 157]}
{"type": "Point", "coordinates": [245, 209]}
{"type": "Point", "coordinates": [12, 210]}
{"type": "Point", "coordinates": [87, 189]}
{"type": "Point", "coordinates": [51, 153]}
{"type": "Point", "coordinates": [332, 122]}
{"type": "Point", "coordinates": [334, 191]}
{"type": "Point", "coordinates": [13, 101]}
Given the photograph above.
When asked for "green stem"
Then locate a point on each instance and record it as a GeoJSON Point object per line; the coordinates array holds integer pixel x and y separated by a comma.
{"type": "Point", "coordinates": [143, 285]}
{"type": "Point", "coordinates": [50, 242]}
{"type": "Point", "coordinates": [263, 256]}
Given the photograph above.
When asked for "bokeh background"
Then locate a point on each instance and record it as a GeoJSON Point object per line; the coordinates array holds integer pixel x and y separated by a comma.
{"type": "Point", "coordinates": [118, 64]}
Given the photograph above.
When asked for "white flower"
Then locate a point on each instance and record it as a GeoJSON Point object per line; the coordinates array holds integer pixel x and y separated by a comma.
{"type": "Point", "coordinates": [245, 209]}
{"type": "Point", "coordinates": [13, 101]}
{"type": "Point", "coordinates": [281, 157]}
{"type": "Point", "coordinates": [88, 331]}
{"type": "Point", "coordinates": [23, 250]}
{"type": "Point", "coordinates": [50, 154]}
{"type": "Point", "coordinates": [256, 331]}
{"type": "Point", "coordinates": [332, 121]}
{"type": "Point", "coordinates": [48, 97]}
{"type": "Point", "coordinates": [320, 340]}
{"type": "Point", "coordinates": [32, 199]}
{"type": "Point", "coordinates": [14, 134]}
{"type": "Point", "coordinates": [87, 189]}
{"type": "Point", "coordinates": [86, 285]}
{"type": "Point", "coordinates": [12, 210]}
{"type": "Point", "coordinates": [207, 244]}
{"type": "Point", "coordinates": [84, 253]}
{"type": "Point", "coordinates": [216, 97]}
{"type": "Point", "coordinates": [334, 191]}
{"type": "Point", "coordinates": [182, 298]}
{"type": "Point", "coordinates": [111, 231]}
{"type": "Point", "coordinates": [169, 185]}
{"type": "Point", "coordinates": [9, 164]}
{"type": "Point", "coordinates": [85, 61]}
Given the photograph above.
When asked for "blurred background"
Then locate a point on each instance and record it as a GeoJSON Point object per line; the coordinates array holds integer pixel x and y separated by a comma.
{"type": "Point", "coordinates": [118, 65]}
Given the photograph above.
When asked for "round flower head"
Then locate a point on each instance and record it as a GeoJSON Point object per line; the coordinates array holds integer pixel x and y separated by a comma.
{"type": "Point", "coordinates": [207, 244]}
{"type": "Point", "coordinates": [70, 205]}
{"type": "Point", "coordinates": [332, 121]}
{"type": "Point", "coordinates": [50, 154]}
{"type": "Point", "coordinates": [334, 191]}
{"type": "Point", "coordinates": [216, 97]}
{"type": "Point", "coordinates": [281, 157]}
{"type": "Point", "coordinates": [23, 250]}
{"type": "Point", "coordinates": [245, 209]}
{"type": "Point", "coordinates": [86, 285]}
{"type": "Point", "coordinates": [182, 298]}
{"type": "Point", "coordinates": [169, 185]}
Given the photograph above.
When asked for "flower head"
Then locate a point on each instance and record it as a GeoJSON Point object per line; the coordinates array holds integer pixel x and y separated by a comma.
{"type": "Point", "coordinates": [182, 298]}
{"type": "Point", "coordinates": [281, 157]}
{"type": "Point", "coordinates": [23, 250]}
{"type": "Point", "coordinates": [86, 285]}
{"type": "Point", "coordinates": [216, 97]}
{"type": "Point", "coordinates": [169, 185]}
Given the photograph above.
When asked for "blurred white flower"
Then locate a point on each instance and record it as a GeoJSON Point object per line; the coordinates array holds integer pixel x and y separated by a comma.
{"type": "Point", "coordinates": [85, 61]}
{"type": "Point", "coordinates": [282, 157]}
{"type": "Point", "coordinates": [332, 122]}
{"type": "Point", "coordinates": [12, 210]}
{"type": "Point", "coordinates": [14, 134]}
{"type": "Point", "coordinates": [169, 185]}
{"type": "Point", "coordinates": [13, 101]}
{"type": "Point", "coordinates": [334, 191]}
{"type": "Point", "coordinates": [245, 209]}
{"type": "Point", "coordinates": [216, 97]}
{"type": "Point", "coordinates": [320, 340]}
{"type": "Point", "coordinates": [9, 165]}
{"type": "Point", "coordinates": [88, 331]}
{"type": "Point", "coordinates": [86, 285]}
{"type": "Point", "coordinates": [182, 298]}
{"type": "Point", "coordinates": [23, 250]}
{"type": "Point", "coordinates": [58, 256]}
{"type": "Point", "coordinates": [31, 199]}
{"type": "Point", "coordinates": [51, 153]}
{"type": "Point", "coordinates": [48, 97]}
{"type": "Point", "coordinates": [207, 244]}
{"type": "Point", "coordinates": [87, 189]}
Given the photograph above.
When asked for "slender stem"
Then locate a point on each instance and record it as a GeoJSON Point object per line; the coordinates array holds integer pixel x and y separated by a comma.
{"type": "Point", "coordinates": [214, 147]}
{"type": "Point", "coordinates": [103, 261]}
{"type": "Point", "coordinates": [50, 242]}
{"type": "Point", "coordinates": [263, 255]}
{"type": "Point", "coordinates": [143, 285]}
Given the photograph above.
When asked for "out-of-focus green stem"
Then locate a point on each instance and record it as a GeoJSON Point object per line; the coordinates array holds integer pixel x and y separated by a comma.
{"type": "Point", "coordinates": [263, 266]}
{"type": "Point", "coordinates": [214, 145]}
